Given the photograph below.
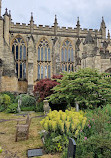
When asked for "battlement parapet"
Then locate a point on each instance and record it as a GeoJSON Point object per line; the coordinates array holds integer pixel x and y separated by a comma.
{"type": "Point", "coordinates": [67, 29]}
{"type": "Point", "coordinates": [84, 29]}
{"type": "Point", "coordinates": [50, 30]}
{"type": "Point", "coordinates": [18, 25]}
{"type": "Point", "coordinates": [92, 31]}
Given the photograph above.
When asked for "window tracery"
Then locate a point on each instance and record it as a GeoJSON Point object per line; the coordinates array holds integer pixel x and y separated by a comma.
{"type": "Point", "coordinates": [67, 56]}
{"type": "Point", "coordinates": [20, 56]}
{"type": "Point", "coordinates": [44, 60]}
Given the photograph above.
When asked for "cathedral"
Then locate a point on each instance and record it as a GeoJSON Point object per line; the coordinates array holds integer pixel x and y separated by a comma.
{"type": "Point", "coordinates": [32, 52]}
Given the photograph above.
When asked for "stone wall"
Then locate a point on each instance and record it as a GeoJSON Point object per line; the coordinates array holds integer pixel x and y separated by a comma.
{"type": "Point", "coordinates": [9, 84]}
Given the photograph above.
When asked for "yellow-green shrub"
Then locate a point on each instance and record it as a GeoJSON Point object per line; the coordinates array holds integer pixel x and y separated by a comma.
{"type": "Point", "coordinates": [64, 122]}
{"type": "Point", "coordinates": [4, 101]}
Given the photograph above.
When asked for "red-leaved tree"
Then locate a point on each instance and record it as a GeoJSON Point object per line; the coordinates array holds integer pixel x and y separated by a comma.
{"type": "Point", "coordinates": [44, 87]}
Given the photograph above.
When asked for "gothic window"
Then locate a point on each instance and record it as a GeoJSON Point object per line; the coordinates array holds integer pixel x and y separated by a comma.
{"type": "Point", "coordinates": [20, 55]}
{"type": "Point", "coordinates": [67, 56]}
{"type": "Point", "coordinates": [43, 60]}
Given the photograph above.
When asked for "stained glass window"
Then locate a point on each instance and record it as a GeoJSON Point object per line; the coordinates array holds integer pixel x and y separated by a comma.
{"type": "Point", "coordinates": [24, 53]}
{"type": "Point", "coordinates": [20, 70]}
{"type": "Point", "coordinates": [49, 71]}
{"type": "Point", "coordinates": [45, 54]}
{"type": "Point", "coordinates": [20, 52]}
{"type": "Point", "coordinates": [42, 72]}
{"type": "Point", "coordinates": [16, 52]}
{"type": "Point", "coordinates": [38, 54]}
{"type": "Point", "coordinates": [24, 70]}
{"type": "Point", "coordinates": [45, 71]}
{"type": "Point", "coordinates": [42, 54]}
{"type": "Point", "coordinates": [20, 55]}
{"type": "Point", "coordinates": [38, 71]}
{"type": "Point", "coordinates": [44, 60]}
{"type": "Point", "coordinates": [62, 57]}
{"type": "Point", "coordinates": [67, 56]}
{"type": "Point", "coordinates": [49, 54]}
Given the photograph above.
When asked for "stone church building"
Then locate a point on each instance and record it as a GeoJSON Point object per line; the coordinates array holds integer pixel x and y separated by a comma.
{"type": "Point", "coordinates": [32, 52]}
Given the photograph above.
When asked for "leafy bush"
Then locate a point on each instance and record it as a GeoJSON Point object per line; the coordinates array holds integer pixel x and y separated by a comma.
{"type": "Point", "coordinates": [64, 122]}
{"type": "Point", "coordinates": [12, 96]}
{"type": "Point", "coordinates": [26, 100]}
{"type": "Point", "coordinates": [55, 142]}
{"type": "Point", "coordinates": [95, 138]}
{"type": "Point", "coordinates": [86, 87]}
{"type": "Point", "coordinates": [96, 146]}
{"type": "Point", "coordinates": [60, 125]}
{"type": "Point", "coordinates": [2, 108]}
{"type": "Point", "coordinates": [12, 108]}
{"type": "Point", "coordinates": [4, 101]}
{"type": "Point", "coordinates": [107, 109]}
{"type": "Point", "coordinates": [39, 107]}
{"type": "Point", "coordinates": [44, 87]}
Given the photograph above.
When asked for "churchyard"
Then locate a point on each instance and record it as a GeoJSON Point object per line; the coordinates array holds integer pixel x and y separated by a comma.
{"type": "Point", "coordinates": [80, 105]}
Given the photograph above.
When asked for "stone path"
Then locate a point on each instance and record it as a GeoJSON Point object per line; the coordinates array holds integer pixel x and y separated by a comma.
{"type": "Point", "coordinates": [4, 120]}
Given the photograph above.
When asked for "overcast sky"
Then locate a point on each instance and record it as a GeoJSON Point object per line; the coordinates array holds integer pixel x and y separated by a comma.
{"type": "Point", "coordinates": [90, 12]}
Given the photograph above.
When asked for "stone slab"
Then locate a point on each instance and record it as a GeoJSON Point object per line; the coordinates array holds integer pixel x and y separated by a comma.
{"type": "Point", "coordinates": [34, 152]}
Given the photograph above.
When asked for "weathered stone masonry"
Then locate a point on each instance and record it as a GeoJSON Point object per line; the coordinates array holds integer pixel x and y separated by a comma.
{"type": "Point", "coordinates": [32, 52]}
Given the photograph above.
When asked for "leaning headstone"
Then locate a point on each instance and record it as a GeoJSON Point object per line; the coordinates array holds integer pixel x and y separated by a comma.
{"type": "Point", "coordinates": [18, 109]}
{"type": "Point", "coordinates": [19, 104]}
{"type": "Point", "coordinates": [46, 106]}
{"type": "Point", "coordinates": [34, 152]}
{"type": "Point", "coordinates": [71, 148]}
{"type": "Point", "coordinates": [77, 107]}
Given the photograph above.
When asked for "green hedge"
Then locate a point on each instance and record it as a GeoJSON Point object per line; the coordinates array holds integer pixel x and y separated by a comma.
{"type": "Point", "coordinates": [26, 100]}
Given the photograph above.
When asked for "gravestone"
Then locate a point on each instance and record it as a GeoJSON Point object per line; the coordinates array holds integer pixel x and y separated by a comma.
{"type": "Point", "coordinates": [34, 152]}
{"type": "Point", "coordinates": [71, 148]}
{"type": "Point", "coordinates": [46, 106]}
{"type": "Point", "coordinates": [19, 104]}
{"type": "Point", "coordinates": [77, 107]}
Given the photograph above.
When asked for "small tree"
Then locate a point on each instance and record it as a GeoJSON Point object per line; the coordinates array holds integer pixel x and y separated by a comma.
{"type": "Point", "coordinates": [86, 86]}
{"type": "Point", "coordinates": [44, 86]}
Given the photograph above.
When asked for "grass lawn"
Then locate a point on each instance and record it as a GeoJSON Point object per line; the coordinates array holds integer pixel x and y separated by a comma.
{"type": "Point", "coordinates": [7, 137]}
